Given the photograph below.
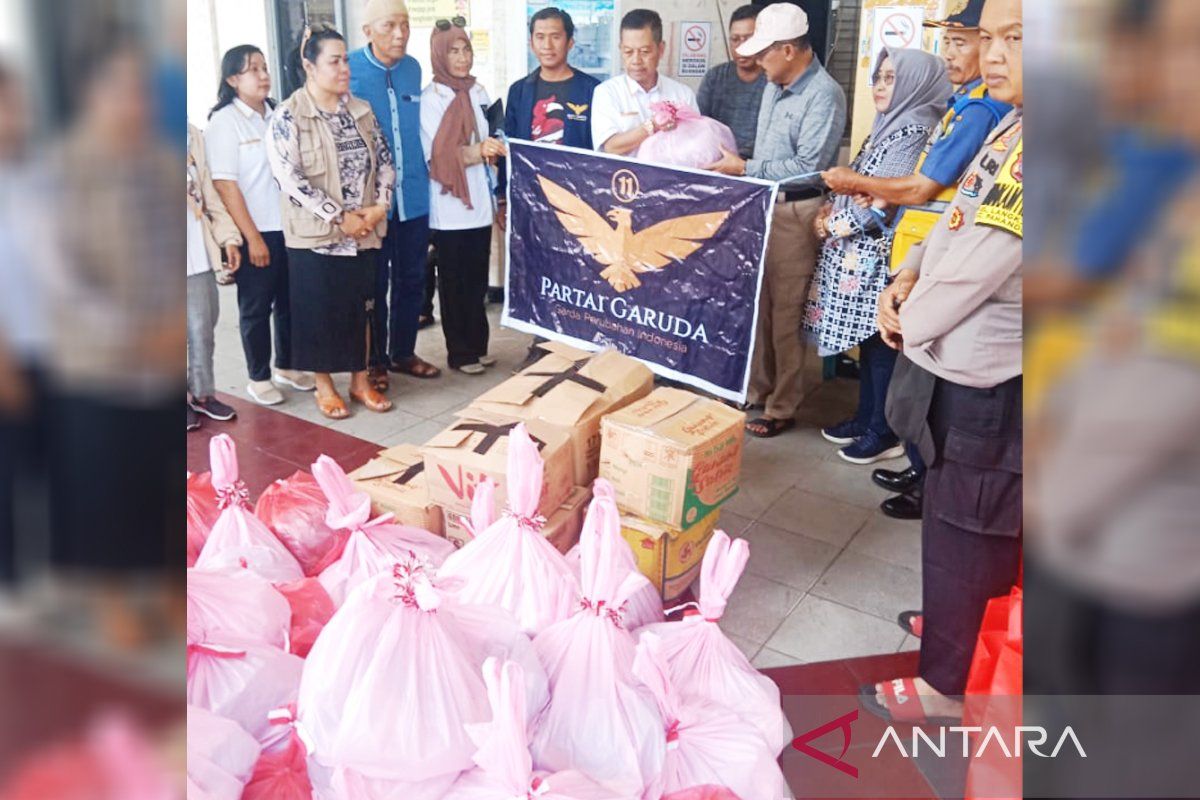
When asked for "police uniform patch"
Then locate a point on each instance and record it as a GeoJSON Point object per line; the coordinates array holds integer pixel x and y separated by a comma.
{"type": "Point", "coordinates": [1018, 171]}
{"type": "Point", "coordinates": [956, 219]}
{"type": "Point", "coordinates": [1003, 142]}
{"type": "Point", "coordinates": [971, 184]}
{"type": "Point", "coordinates": [1004, 205]}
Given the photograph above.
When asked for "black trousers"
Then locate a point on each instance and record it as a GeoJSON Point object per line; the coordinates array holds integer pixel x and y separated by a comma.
{"type": "Point", "coordinates": [462, 285]}
{"type": "Point", "coordinates": [263, 295]}
{"type": "Point", "coordinates": [21, 462]}
{"type": "Point", "coordinates": [971, 522]}
{"type": "Point", "coordinates": [430, 282]}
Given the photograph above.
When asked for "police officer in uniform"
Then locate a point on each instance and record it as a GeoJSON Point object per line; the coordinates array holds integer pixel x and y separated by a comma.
{"type": "Point", "coordinates": [955, 309]}
{"type": "Point", "coordinates": [970, 116]}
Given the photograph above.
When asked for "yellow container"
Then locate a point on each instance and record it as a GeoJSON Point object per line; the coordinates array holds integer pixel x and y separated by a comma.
{"type": "Point", "coordinates": [669, 557]}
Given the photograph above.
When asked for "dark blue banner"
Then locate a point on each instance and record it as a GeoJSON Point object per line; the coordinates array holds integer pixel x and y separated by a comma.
{"type": "Point", "coordinates": [662, 263]}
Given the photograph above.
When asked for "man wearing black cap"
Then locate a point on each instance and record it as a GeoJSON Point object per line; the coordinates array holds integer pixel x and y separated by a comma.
{"type": "Point", "coordinates": [925, 194]}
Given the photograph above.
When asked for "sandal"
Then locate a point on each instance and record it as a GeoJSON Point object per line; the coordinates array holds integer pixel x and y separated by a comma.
{"type": "Point", "coordinates": [415, 366]}
{"type": "Point", "coordinates": [769, 427]}
{"type": "Point", "coordinates": [333, 407]}
{"type": "Point", "coordinates": [911, 622]}
{"type": "Point", "coordinates": [378, 378]}
{"type": "Point", "coordinates": [373, 400]}
{"type": "Point", "coordinates": [901, 703]}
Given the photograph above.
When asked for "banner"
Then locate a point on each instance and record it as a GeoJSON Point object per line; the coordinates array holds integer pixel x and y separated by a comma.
{"type": "Point", "coordinates": [662, 263]}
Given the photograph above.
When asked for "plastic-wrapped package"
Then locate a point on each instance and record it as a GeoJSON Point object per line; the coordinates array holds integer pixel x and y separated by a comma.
{"type": "Point", "coordinates": [703, 793]}
{"type": "Point", "coordinates": [375, 545]}
{"type": "Point", "coordinates": [311, 608]}
{"type": "Point", "coordinates": [695, 141]}
{"type": "Point", "coordinates": [238, 538]}
{"type": "Point", "coordinates": [645, 606]}
{"type": "Point", "coordinates": [705, 663]}
{"type": "Point", "coordinates": [294, 509]}
{"type": "Point", "coordinates": [511, 564]}
{"type": "Point", "coordinates": [705, 743]}
{"type": "Point", "coordinates": [202, 513]}
{"type": "Point", "coordinates": [220, 754]}
{"type": "Point", "coordinates": [283, 773]}
{"type": "Point", "coordinates": [235, 605]}
{"type": "Point", "coordinates": [600, 721]}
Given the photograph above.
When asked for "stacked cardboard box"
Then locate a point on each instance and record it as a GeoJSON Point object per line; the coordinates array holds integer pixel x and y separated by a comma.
{"type": "Point", "coordinates": [673, 458]}
{"type": "Point", "coordinates": [396, 482]}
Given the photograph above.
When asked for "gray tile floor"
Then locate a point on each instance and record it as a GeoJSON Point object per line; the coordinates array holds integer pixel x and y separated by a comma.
{"type": "Point", "coordinates": [827, 573]}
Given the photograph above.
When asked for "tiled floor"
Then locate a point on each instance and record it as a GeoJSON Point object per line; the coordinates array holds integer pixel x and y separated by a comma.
{"type": "Point", "coordinates": [827, 574]}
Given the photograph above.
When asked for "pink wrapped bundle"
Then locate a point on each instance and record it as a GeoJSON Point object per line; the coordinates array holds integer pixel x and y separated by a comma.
{"type": "Point", "coordinates": [393, 680]}
{"type": "Point", "coordinates": [504, 769]}
{"type": "Point", "coordinates": [220, 754]}
{"type": "Point", "coordinates": [599, 720]}
{"type": "Point", "coordinates": [374, 545]}
{"type": "Point", "coordinates": [294, 509]}
{"type": "Point", "coordinates": [702, 659]}
{"type": "Point", "coordinates": [645, 606]}
{"type": "Point", "coordinates": [202, 513]}
{"type": "Point", "coordinates": [235, 605]}
{"type": "Point", "coordinates": [311, 609]}
{"type": "Point", "coordinates": [706, 743]}
{"type": "Point", "coordinates": [703, 793]}
{"type": "Point", "coordinates": [282, 774]}
{"type": "Point", "coordinates": [238, 538]}
{"type": "Point", "coordinates": [695, 141]}
{"type": "Point", "coordinates": [511, 564]}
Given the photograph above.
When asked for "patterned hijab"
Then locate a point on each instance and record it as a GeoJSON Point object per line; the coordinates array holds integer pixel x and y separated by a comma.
{"type": "Point", "coordinates": [458, 125]}
{"type": "Point", "coordinates": [920, 95]}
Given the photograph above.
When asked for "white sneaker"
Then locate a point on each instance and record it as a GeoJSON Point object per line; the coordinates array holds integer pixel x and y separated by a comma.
{"type": "Point", "coordinates": [487, 361]}
{"type": "Point", "coordinates": [472, 369]}
{"type": "Point", "coordinates": [264, 393]}
{"type": "Point", "coordinates": [301, 381]}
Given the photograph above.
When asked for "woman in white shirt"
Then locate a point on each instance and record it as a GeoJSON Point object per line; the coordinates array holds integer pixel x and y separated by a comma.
{"type": "Point", "coordinates": [454, 134]}
{"type": "Point", "coordinates": [237, 153]}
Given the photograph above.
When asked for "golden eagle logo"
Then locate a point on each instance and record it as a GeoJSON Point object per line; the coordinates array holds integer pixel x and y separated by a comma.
{"type": "Point", "coordinates": [578, 108]}
{"type": "Point", "coordinates": [623, 252]}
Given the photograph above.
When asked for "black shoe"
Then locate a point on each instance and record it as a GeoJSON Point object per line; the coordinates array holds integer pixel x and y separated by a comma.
{"type": "Point", "coordinates": [902, 506]}
{"type": "Point", "coordinates": [495, 296]}
{"type": "Point", "coordinates": [425, 321]}
{"type": "Point", "coordinates": [213, 408]}
{"type": "Point", "coordinates": [193, 420]}
{"type": "Point", "coordinates": [898, 482]}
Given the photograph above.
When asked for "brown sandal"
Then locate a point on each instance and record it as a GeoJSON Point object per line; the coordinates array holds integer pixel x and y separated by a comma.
{"type": "Point", "coordinates": [379, 380]}
{"type": "Point", "coordinates": [333, 407]}
{"type": "Point", "coordinates": [415, 366]}
{"type": "Point", "coordinates": [373, 400]}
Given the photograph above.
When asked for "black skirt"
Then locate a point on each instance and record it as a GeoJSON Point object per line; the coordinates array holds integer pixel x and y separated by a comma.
{"type": "Point", "coordinates": [331, 300]}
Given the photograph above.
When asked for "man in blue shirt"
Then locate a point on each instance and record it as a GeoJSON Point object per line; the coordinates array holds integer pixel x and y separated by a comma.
{"type": "Point", "coordinates": [383, 74]}
{"type": "Point", "coordinates": [969, 118]}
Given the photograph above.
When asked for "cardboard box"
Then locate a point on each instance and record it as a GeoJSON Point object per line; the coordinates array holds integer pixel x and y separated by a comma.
{"type": "Point", "coordinates": [572, 389]}
{"type": "Point", "coordinates": [562, 528]}
{"type": "Point", "coordinates": [667, 556]}
{"type": "Point", "coordinates": [396, 481]}
{"type": "Point", "coordinates": [673, 456]}
{"type": "Point", "coordinates": [476, 447]}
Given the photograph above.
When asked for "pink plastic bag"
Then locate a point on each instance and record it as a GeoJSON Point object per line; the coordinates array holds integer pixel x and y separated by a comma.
{"type": "Point", "coordinates": [294, 509]}
{"type": "Point", "coordinates": [703, 793]}
{"type": "Point", "coordinates": [511, 564]}
{"type": "Point", "coordinates": [706, 743]}
{"type": "Point", "coordinates": [504, 769]}
{"type": "Point", "coordinates": [235, 605]}
{"type": "Point", "coordinates": [696, 141]}
{"type": "Point", "coordinates": [645, 606]}
{"type": "Point", "coordinates": [238, 538]}
{"type": "Point", "coordinates": [282, 774]}
{"type": "Point", "coordinates": [220, 754]}
{"type": "Point", "coordinates": [202, 513]}
{"type": "Point", "coordinates": [702, 659]}
{"type": "Point", "coordinates": [374, 545]}
{"type": "Point", "coordinates": [311, 608]}
{"type": "Point", "coordinates": [599, 721]}
{"type": "Point", "coordinates": [393, 680]}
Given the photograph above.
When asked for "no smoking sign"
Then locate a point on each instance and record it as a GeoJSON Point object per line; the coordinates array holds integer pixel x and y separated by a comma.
{"type": "Point", "coordinates": [695, 38]}
{"type": "Point", "coordinates": [898, 30]}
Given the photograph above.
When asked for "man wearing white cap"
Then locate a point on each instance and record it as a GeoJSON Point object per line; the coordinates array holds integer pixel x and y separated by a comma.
{"type": "Point", "coordinates": [800, 127]}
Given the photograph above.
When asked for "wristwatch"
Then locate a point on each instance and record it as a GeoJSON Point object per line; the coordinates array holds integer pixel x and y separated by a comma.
{"type": "Point", "coordinates": [648, 125]}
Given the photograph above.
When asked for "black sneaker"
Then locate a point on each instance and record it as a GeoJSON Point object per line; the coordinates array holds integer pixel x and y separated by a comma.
{"type": "Point", "coordinates": [213, 408]}
{"type": "Point", "coordinates": [193, 419]}
{"type": "Point", "coordinates": [495, 295]}
{"type": "Point", "coordinates": [844, 432]}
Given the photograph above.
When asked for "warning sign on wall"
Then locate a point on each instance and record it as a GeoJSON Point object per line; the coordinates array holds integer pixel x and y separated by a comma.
{"type": "Point", "coordinates": [895, 27]}
{"type": "Point", "coordinates": [695, 40]}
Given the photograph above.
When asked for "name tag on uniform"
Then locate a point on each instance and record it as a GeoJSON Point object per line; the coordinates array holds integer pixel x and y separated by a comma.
{"type": "Point", "coordinates": [251, 141]}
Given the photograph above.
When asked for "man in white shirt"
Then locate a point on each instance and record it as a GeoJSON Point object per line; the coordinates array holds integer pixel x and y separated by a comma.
{"type": "Point", "coordinates": [621, 118]}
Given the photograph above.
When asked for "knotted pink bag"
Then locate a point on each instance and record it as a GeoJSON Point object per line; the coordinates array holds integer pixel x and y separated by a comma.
{"type": "Point", "coordinates": [511, 564]}
{"type": "Point", "coordinates": [238, 538]}
{"type": "Point", "coordinates": [707, 664]}
{"type": "Point", "coordinates": [695, 141]}
{"type": "Point", "coordinates": [220, 754]}
{"type": "Point", "coordinates": [282, 774]}
{"type": "Point", "coordinates": [599, 721]}
{"type": "Point", "coordinates": [375, 545]}
{"type": "Point", "coordinates": [705, 743]}
{"type": "Point", "coordinates": [235, 605]}
{"type": "Point", "coordinates": [202, 513]}
{"type": "Point", "coordinates": [294, 509]}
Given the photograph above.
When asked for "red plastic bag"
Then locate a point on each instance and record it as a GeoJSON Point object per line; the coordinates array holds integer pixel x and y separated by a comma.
{"type": "Point", "coordinates": [311, 609]}
{"type": "Point", "coordinates": [993, 696]}
{"type": "Point", "coordinates": [202, 512]}
{"type": "Point", "coordinates": [282, 774]}
{"type": "Point", "coordinates": [294, 509]}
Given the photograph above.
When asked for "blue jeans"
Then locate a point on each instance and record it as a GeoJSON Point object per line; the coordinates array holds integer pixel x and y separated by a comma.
{"type": "Point", "coordinates": [876, 361]}
{"type": "Point", "coordinates": [401, 264]}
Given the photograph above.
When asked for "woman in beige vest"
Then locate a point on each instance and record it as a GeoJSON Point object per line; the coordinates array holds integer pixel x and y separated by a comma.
{"type": "Point", "coordinates": [336, 176]}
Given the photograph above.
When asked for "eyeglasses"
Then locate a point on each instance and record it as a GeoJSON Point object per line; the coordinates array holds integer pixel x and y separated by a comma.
{"type": "Point", "coordinates": [444, 24]}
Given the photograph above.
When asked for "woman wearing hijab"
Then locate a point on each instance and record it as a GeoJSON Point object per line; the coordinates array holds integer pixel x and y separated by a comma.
{"type": "Point", "coordinates": [454, 134]}
{"type": "Point", "coordinates": [336, 176]}
{"type": "Point", "coordinates": [910, 89]}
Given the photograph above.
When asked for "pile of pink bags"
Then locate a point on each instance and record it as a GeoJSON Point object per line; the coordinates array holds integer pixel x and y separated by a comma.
{"type": "Point", "coordinates": [694, 141]}
{"type": "Point", "coordinates": [335, 655]}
